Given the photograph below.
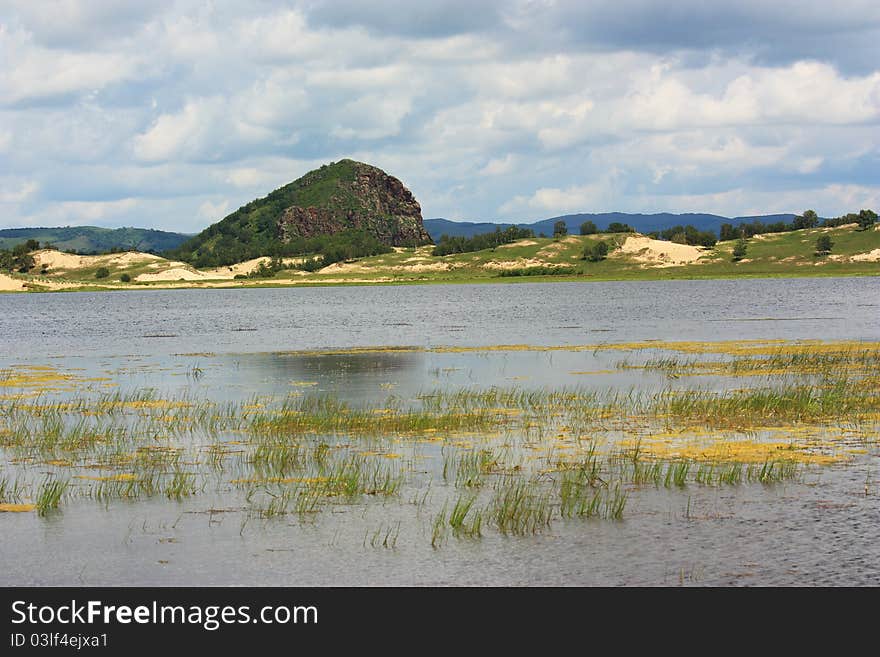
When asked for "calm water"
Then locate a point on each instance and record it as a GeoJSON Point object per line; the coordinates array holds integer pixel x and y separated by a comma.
{"type": "Point", "coordinates": [820, 530]}
{"type": "Point", "coordinates": [161, 322]}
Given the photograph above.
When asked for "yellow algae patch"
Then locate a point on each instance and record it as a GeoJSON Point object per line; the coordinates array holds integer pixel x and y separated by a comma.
{"type": "Point", "coordinates": [21, 378]}
{"type": "Point", "coordinates": [736, 451]}
{"type": "Point", "coordinates": [125, 476]}
{"type": "Point", "coordinates": [730, 347]}
{"type": "Point", "coordinates": [155, 404]}
{"type": "Point", "coordinates": [17, 508]}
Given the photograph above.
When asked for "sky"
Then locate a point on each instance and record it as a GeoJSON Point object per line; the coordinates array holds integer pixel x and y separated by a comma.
{"type": "Point", "coordinates": [170, 114]}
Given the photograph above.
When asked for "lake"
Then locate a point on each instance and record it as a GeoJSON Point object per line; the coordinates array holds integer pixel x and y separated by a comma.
{"type": "Point", "coordinates": [270, 357]}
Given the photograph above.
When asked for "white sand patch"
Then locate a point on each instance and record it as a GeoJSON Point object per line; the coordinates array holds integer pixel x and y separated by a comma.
{"type": "Point", "coordinates": [243, 268]}
{"type": "Point", "coordinates": [514, 264]}
{"type": "Point", "coordinates": [130, 258]}
{"type": "Point", "coordinates": [343, 268]}
{"type": "Point", "coordinates": [9, 284]}
{"type": "Point", "coordinates": [174, 274]}
{"type": "Point", "coordinates": [870, 256]}
{"type": "Point", "coordinates": [56, 260]}
{"type": "Point", "coordinates": [431, 266]}
{"type": "Point", "coordinates": [34, 283]}
{"type": "Point", "coordinates": [356, 267]}
{"type": "Point", "coordinates": [658, 253]}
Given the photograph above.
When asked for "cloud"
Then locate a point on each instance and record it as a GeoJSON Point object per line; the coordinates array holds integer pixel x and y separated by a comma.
{"type": "Point", "coordinates": [212, 212]}
{"type": "Point", "coordinates": [17, 192]}
{"type": "Point", "coordinates": [32, 73]}
{"type": "Point", "coordinates": [403, 18]}
{"type": "Point", "coordinates": [487, 111]}
{"type": "Point", "coordinates": [553, 200]}
{"type": "Point", "coordinates": [79, 23]}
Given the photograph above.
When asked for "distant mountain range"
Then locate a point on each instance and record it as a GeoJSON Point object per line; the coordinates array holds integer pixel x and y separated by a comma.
{"type": "Point", "coordinates": [643, 223]}
{"type": "Point", "coordinates": [90, 240]}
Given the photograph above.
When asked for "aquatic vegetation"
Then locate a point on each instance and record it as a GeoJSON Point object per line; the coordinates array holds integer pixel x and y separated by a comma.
{"type": "Point", "coordinates": [520, 507]}
{"type": "Point", "coordinates": [465, 519]}
{"type": "Point", "coordinates": [49, 496]}
{"type": "Point", "coordinates": [384, 536]}
{"type": "Point", "coordinates": [11, 491]}
{"type": "Point", "coordinates": [504, 460]}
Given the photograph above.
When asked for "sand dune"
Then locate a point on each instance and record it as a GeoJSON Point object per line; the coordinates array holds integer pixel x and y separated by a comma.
{"type": "Point", "coordinates": [56, 260]}
{"type": "Point", "coordinates": [870, 256]}
{"type": "Point", "coordinates": [657, 253]}
{"type": "Point", "coordinates": [9, 284]}
{"type": "Point", "coordinates": [175, 274]}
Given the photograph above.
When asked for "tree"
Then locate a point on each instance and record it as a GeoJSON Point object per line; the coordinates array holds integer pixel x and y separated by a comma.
{"type": "Point", "coordinates": [809, 219]}
{"type": "Point", "coordinates": [560, 229]}
{"type": "Point", "coordinates": [617, 227]}
{"type": "Point", "coordinates": [32, 245]}
{"type": "Point", "coordinates": [824, 245]}
{"type": "Point", "coordinates": [867, 219]}
{"type": "Point", "coordinates": [596, 252]}
{"type": "Point", "coordinates": [588, 228]}
{"type": "Point", "coordinates": [728, 232]}
{"type": "Point", "coordinates": [125, 278]}
{"type": "Point", "coordinates": [102, 272]}
{"type": "Point", "coordinates": [739, 249]}
{"type": "Point", "coordinates": [19, 259]}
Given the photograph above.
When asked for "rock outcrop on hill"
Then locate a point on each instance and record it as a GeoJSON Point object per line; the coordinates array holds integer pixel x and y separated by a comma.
{"type": "Point", "coordinates": [371, 201]}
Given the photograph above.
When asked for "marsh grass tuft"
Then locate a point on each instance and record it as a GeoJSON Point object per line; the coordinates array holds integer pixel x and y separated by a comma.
{"type": "Point", "coordinates": [49, 495]}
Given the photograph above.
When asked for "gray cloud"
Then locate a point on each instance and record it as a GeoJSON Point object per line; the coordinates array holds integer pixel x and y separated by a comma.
{"type": "Point", "coordinates": [405, 18]}
{"type": "Point", "coordinates": [163, 113]}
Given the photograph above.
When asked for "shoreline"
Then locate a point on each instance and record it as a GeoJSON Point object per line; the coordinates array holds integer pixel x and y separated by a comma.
{"type": "Point", "coordinates": [503, 280]}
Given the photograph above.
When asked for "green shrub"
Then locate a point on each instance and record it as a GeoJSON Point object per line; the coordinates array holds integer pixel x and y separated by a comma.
{"type": "Point", "coordinates": [596, 252]}
{"type": "Point", "coordinates": [102, 272]}
{"type": "Point", "coordinates": [125, 278]}
{"type": "Point", "coordinates": [447, 244]}
{"type": "Point", "coordinates": [824, 245]}
{"type": "Point", "coordinates": [540, 270]}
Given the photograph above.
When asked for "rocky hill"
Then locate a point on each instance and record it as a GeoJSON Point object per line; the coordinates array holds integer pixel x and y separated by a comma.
{"type": "Point", "coordinates": [349, 199]}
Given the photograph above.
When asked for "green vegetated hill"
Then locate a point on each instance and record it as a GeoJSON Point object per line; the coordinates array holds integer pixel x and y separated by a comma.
{"type": "Point", "coordinates": [352, 202]}
{"type": "Point", "coordinates": [627, 256]}
{"type": "Point", "coordinates": [92, 239]}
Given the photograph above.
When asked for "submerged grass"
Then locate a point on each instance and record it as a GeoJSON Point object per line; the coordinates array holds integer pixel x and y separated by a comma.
{"type": "Point", "coordinates": [514, 459]}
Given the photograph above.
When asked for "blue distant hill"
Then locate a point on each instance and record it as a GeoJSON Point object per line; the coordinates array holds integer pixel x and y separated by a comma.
{"type": "Point", "coordinates": [91, 239]}
{"type": "Point", "coordinates": [643, 223]}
